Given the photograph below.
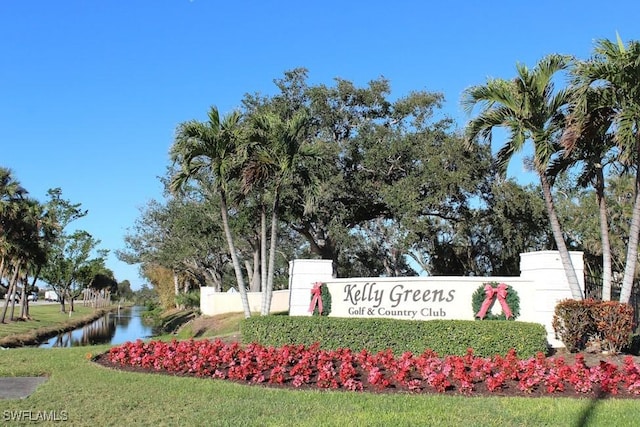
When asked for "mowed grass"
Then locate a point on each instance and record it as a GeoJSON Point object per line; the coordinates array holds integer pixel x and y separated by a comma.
{"type": "Point", "coordinates": [90, 394]}
{"type": "Point", "coordinates": [93, 395]}
{"type": "Point", "coordinates": [43, 316]}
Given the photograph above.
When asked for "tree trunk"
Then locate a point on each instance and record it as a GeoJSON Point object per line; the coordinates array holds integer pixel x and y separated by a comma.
{"type": "Point", "coordinates": [24, 309]}
{"type": "Point", "coordinates": [33, 285]}
{"type": "Point", "coordinates": [256, 277]}
{"type": "Point", "coordinates": [632, 248]}
{"type": "Point", "coordinates": [263, 252]}
{"type": "Point", "coordinates": [572, 278]}
{"type": "Point", "coordinates": [10, 292]}
{"type": "Point", "coordinates": [268, 293]}
{"type": "Point", "coordinates": [16, 278]}
{"type": "Point", "coordinates": [2, 270]}
{"type": "Point", "coordinates": [604, 233]}
{"type": "Point", "coordinates": [253, 267]}
{"type": "Point", "coordinates": [234, 257]}
{"type": "Point", "coordinates": [326, 250]}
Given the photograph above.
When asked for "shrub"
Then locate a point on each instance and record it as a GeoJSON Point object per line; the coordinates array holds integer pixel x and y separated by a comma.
{"type": "Point", "coordinates": [614, 323]}
{"type": "Point", "coordinates": [189, 299]}
{"type": "Point", "coordinates": [451, 337]}
{"type": "Point", "coordinates": [573, 324]}
{"type": "Point", "coordinates": [610, 323]}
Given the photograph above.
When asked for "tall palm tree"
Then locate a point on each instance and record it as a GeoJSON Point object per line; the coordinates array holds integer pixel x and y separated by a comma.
{"type": "Point", "coordinates": [530, 110]}
{"type": "Point", "coordinates": [36, 237]}
{"type": "Point", "coordinates": [11, 194]}
{"type": "Point", "coordinates": [11, 225]}
{"type": "Point", "coordinates": [586, 142]}
{"type": "Point", "coordinates": [25, 249]}
{"type": "Point", "coordinates": [206, 152]}
{"type": "Point", "coordinates": [614, 70]}
{"type": "Point", "coordinates": [275, 148]}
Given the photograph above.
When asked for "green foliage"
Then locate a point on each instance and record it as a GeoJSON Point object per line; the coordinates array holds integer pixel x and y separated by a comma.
{"type": "Point", "coordinates": [514, 221]}
{"type": "Point", "coordinates": [152, 313]}
{"type": "Point", "coordinates": [193, 239]}
{"type": "Point", "coordinates": [387, 180]}
{"type": "Point", "coordinates": [151, 305]}
{"type": "Point", "coordinates": [513, 301]}
{"type": "Point", "coordinates": [73, 257]}
{"type": "Point", "coordinates": [162, 280]}
{"type": "Point", "coordinates": [445, 337]}
{"type": "Point", "coordinates": [146, 296]}
{"type": "Point", "coordinates": [189, 300]}
{"type": "Point", "coordinates": [609, 323]}
{"type": "Point", "coordinates": [124, 291]}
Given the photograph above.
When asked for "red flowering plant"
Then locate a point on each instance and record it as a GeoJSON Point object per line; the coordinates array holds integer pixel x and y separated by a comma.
{"type": "Point", "coordinates": [310, 366]}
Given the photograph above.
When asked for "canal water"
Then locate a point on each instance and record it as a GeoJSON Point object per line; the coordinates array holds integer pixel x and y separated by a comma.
{"type": "Point", "coordinates": [116, 327]}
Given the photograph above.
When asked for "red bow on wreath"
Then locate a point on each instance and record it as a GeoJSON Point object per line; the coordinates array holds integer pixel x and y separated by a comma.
{"type": "Point", "coordinates": [490, 293]}
{"type": "Point", "coordinates": [316, 291]}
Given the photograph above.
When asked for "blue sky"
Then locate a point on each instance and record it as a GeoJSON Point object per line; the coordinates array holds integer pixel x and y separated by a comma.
{"type": "Point", "coordinates": [92, 91]}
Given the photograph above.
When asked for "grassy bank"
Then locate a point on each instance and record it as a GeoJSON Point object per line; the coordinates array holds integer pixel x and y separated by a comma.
{"type": "Point", "coordinates": [224, 326]}
{"type": "Point", "coordinates": [93, 395]}
{"type": "Point", "coordinates": [47, 321]}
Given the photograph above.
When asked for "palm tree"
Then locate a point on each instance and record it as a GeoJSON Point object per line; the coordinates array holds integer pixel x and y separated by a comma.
{"type": "Point", "coordinates": [529, 109]}
{"type": "Point", "coordinates": [275, 147]}
{"type": "Point", "coordinates": [615, 71]}
{"type": "Point", "coordinates": [585, 141]}
{"type": "Point", "coordinates": [206, 152]}
{"type": "Point", "coordinates": [11, 241]}
{"type": "Point", "coordinates": [25, 249]}
{"type": "Point", "coordinates": [11, 194]}
{"type": "Point", "coordinates": [36, 237]}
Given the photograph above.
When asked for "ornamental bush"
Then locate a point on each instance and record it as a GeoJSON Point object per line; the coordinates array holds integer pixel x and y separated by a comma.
{"type": "Point", "coordinates": [452, 337]}
{"type": "Point", "coordinates": [614, 323]}
{"type": "Point", "coordinates": [189, 299]}
{"type": "Point", "coordinates": [575, 322]}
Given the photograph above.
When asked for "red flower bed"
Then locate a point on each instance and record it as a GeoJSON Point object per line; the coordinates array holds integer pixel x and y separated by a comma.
{"type": "Point", "coordinates": [298, 366]}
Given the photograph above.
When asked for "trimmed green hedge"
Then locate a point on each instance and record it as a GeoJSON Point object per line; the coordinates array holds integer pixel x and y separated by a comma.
{"type": "Point", "coordinates": [445, 337]}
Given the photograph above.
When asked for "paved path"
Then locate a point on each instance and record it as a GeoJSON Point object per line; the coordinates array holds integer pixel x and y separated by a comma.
{"type": "Point", "coordinates": [19, 387]}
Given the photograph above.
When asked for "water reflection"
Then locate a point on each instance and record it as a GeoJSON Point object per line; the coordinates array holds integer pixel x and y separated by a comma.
{"type": "Point", "coordinates": [113, 328]}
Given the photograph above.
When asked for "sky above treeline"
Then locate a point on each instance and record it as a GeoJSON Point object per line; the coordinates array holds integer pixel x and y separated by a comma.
{"type": "Point", "coordinates": [91, 92]}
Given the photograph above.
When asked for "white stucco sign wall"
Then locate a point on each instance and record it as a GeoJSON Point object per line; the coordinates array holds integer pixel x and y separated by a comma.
{"type": "Point", "coordinates": [414, 298]}
{"type": "Point", "coordinates": [541, 285]}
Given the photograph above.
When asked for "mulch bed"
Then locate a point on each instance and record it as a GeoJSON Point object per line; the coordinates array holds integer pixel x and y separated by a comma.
{"type": "Point", "coordinates": [510, 389]}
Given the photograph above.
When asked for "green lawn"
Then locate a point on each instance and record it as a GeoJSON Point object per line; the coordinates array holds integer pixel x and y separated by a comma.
{"type": "Point", "coordinates": [90, 394]}
{"type": "Point", "coordinates": [93, 395]}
